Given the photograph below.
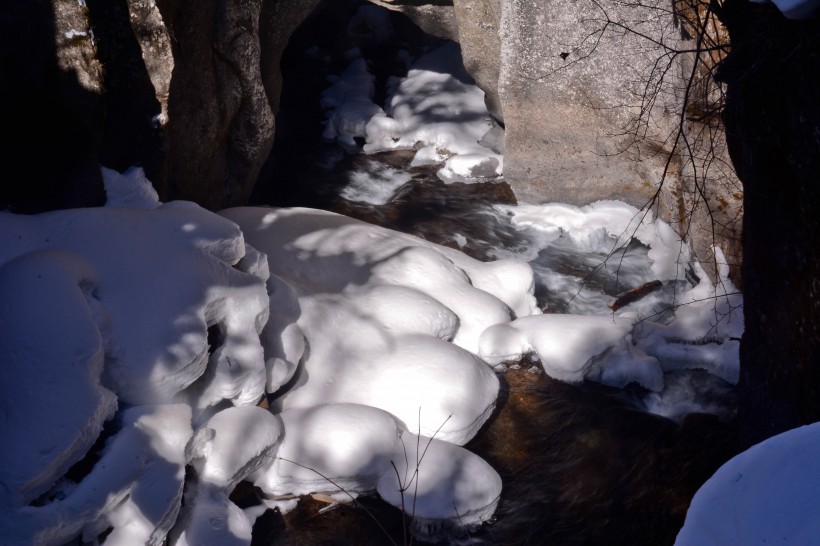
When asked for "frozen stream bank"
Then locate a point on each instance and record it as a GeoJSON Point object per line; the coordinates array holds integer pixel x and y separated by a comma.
{"type": "Point", "coordinates": [229, 372]}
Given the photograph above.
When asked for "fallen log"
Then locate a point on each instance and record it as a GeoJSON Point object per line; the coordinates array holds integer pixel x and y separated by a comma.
{"type": "Point", "coordinates": [635, 294]}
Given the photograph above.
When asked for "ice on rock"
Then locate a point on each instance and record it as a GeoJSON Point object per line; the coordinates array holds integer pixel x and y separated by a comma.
{"type": "Point", "coordinates": [52, 349]}
{"type": "Point", "coordinates": [164, 276]}
{"type": "Point", "coordinates": [625, 363]}
{"type": "Point", "coordinates": [461, 168]}
{"type": "Point", "coordinates": [618, 220]}
{"type": "Point", "coordinates": [427, 155]}
{"type": "Point", "coordinates": [567, 346]}
{"type": "Point", "coordinates": [135, 489]}
{"type": "Point", "coordinates": [376, 185]}
{"type": "Point", "coordinates": [444, 485]}
{"type": "Point", "coordinates": [328, 447]}
{"type": "Point", "coordinates": [706, 330]}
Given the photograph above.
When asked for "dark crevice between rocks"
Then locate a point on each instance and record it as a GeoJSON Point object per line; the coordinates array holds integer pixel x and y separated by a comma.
{"type": "Point", "coordinates": [129, 136]}
{"type": "Point", "coordinates": [302, 169]}
{"type": "Point", "coordinates": [82, 468]}
{"type": "Point", "coordinates": [52, 123]}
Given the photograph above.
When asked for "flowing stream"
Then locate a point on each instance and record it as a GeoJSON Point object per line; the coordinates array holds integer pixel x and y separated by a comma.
{"type": "Point", "coordinates": [581, 464]}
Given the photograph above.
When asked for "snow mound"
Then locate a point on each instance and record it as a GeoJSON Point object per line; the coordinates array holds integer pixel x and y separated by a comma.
{"type": "Point", "coordinates": [135, 489]}
{"type": "Point", "coordinates": [233, 444]}
{"type": "Point", "coordinates": [768, 494]}
{"type": "Point", "coordinates": [446, 486]}
{"type": "Point", "coordinates": [574, 347]}
{"type": "Point", "coordinates": [52, 363]}
{"type": "Point", "coordinates": [130, 189]}
{"type": "Point", "coordinates": [344, 450]}
{"type": "Point", "coordinates": [164, 276]}
{"type": "Point", "coordinates": [377, 307]}
{"type": "Point", "coordinates": [331, 449]}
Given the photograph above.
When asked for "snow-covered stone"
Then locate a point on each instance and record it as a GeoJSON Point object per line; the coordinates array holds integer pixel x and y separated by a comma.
{"type": "Point", "coordinates": [443, 485]}
{"type": "Point", "coordinates": [333, 449]}
{"type": "Point", "coordinates": [234, 443]}
{"type": "Point", "coordinates": [135, 488]}
{"type": "Point", "coordinates": [164, 276]}
{"type": "Point", "coordinates": [52, 347]}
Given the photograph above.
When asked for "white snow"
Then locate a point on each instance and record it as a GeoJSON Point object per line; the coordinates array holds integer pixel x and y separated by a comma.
{"type": "Point", "coordinates": [436, 105]}
{"type": "Point", "coordinates": [349, 105]}
{"type": "Point", "coordinates": [231, 446]}
{"type": "Point", "coordinates": [211, 518]}
{"type": "Point", "coordinates": [378, 309]}
{"type": "Point", "coordinates": [441, 484]}
{"type": "Point", "coordinates": [51, 346]}
{"type": "Point", "coordinates": [768, 494]}
{"type": "Point", "coordinates": [332, 449]}
{"type": "Point", "coordinates": [344, 450]}
{"type": "Point", "coordinates": [136, 487]}
{"type": "Point", "coordinates": [163, 276]}
{"type": "Point", "coordinates": [436, 109]}
{"type": "Point", "coordinates": [162, 325]}
{"type": "Point", "coordinates": [130, 189]}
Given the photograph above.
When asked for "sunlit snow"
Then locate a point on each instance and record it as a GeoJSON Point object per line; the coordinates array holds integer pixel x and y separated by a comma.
{"type": "Point", "coordinates": [156, 329]}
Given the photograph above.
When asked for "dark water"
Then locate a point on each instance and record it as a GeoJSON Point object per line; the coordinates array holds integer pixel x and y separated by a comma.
{"type": "Point", "coordinates": [581, 464]}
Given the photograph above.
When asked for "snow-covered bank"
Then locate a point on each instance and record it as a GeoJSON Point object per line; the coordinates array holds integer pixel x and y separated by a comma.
{"type": "Point", "coordinates": [169, 323]}
{"type": "Point", "coordinates": [377, 351]}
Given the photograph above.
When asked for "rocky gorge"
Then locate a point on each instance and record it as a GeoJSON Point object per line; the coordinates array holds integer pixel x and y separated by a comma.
{"type": "Point", "coordinates": [643, 103]}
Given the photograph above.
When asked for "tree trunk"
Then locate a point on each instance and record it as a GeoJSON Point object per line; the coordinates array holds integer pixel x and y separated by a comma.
{"type": "Point", "coordinates": [773, 130]}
